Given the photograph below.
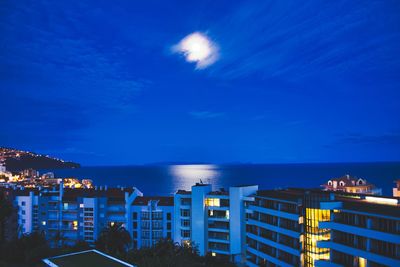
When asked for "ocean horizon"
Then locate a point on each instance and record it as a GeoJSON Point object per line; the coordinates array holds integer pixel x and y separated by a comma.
{"type": "Point", "coordinates": [166, 179]}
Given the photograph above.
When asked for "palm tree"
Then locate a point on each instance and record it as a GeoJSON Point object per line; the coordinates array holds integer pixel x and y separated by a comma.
{"type": "Point", "coordinates": [114, 239]}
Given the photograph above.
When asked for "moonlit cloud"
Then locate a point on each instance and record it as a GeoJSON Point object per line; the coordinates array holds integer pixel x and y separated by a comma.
{"type": "Point", "coordinates": [197, 47]}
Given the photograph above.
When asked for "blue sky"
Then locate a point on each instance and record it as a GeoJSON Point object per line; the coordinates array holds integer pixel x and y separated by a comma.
{"type": "Point", "coordinates": [98, 82]}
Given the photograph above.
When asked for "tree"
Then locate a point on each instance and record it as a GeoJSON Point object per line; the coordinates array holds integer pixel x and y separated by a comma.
{"type": "Point", "coordinates": [168, 254]}
{"type": "Point", "coordinates": [114, 239]}
{"type": "Point", "coordinates": [6, 209]}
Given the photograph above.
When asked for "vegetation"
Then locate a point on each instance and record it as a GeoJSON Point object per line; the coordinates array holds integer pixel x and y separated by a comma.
{"type": "Point", "coordinates": [114, 240]}
{"type": "Point", "coordinates": [169, 254]}
{"type": "Point", "coordinates": [6, 209]}
{"type": "Point", "coordinates": [28, 250]}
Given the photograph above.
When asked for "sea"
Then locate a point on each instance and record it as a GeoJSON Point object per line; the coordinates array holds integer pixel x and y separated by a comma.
{"type": "Point", "coordinates": [154, 180]}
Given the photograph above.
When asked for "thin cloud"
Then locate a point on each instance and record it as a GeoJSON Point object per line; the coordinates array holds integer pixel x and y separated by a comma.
{"type": "Point", "coordinates": [206, 114]}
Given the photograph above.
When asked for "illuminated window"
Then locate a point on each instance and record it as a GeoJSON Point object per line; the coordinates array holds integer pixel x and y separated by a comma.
{"type": "Point", "coordinates": [75, 225]}
{"type": "Point", "coordinates": [314, 234]}
{"type": "Point", "coordinates": [43, 223]}
{"type": "Point", "coordinates": [213, 254]}
{"type": "Point", "coordinates": [65, 206]}
{"type": "Point", "coordinates": [81, 205]}
{"type": "Point", "coordinates": [212, 202]}
{"type": "Point", "coordinates": [227, 214]}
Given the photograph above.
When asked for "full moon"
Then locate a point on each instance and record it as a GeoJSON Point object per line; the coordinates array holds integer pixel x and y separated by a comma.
{"type": "Point", "coordinates": [197, 47]}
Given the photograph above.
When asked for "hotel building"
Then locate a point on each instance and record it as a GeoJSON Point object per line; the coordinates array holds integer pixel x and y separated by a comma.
{"type": "Point", "coordinates": [152, 219]}
{"type": "Point", "coordinates": [299, 227]}
{"type": "Point", "coordinates": [213, 221]}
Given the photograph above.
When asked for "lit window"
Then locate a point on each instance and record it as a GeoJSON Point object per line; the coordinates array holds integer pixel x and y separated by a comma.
{"type": "Point", "coordinates": [43, 223]}
{"type": "Point", "coordinates": [212, 202]}
{"type": "Point", "coordinates": [213, 254]}
{"type": "Point", "coordinates": [75, 225]}
{"type": "Point", "coordinates": [81, 205]}
{"type": "Point", "coordinates": [227, 214]}
{"type": "Point", "coordinates": [65, 206]}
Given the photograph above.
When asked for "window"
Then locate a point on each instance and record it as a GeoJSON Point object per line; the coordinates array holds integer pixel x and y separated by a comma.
{"type": "Point", "coordinates": [134, 225]}
{"type": "Point", "coordinates": [185, 213]}
{"type": "Point", "coordinates": [75, 225]}
{"type": "Point", "coordinates": [185, 233]}
{"type": "Point", "coordinates": [134, 216]}
{"type": "Point", "coordinates": [23, 221]}
{"type": "Point", "coordinates": [185, 223]}
{"type": "Point", "coordinates": [23, 203]}
{"type": "Point", "coordinates": [23, 212]}
{"type": "Point", "coordinates": [169, 216]}
{"type": "Point", "coordinates": [329, 182]}
{"type": "Point", "coordinates": [65, 206]}
{"type": "Point", "coordinates": [341, 183]}
{"type": "Point", "coordinates": [81, 205]}
{"type": "Point", "coordinates": [169, 226]}
{"type": "Point", "coordinates": [212, 202]}
{"type": "Point", "coordinates": [88, 209]}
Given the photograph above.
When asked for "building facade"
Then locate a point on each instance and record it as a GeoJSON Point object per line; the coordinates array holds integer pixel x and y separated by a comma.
{"type": "Point", "coordinates": [350, 184]}
{"type": "Point", "coordinates": [152, 219]}
{"type": "Point", "coordinates": [314, 228]}
{"type": "Point", "coordinates": [213, 221]}
{"type": "Point", "coordinates": [69, 215]}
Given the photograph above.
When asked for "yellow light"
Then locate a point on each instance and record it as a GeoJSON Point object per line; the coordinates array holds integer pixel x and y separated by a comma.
{"type": "Point", "coordinates": [212, 202]}
{"type": "Point", "coordinates": [362, 262]}
{"type": "Point", "coordinates": [75, 225]}
{"type": "Point", "coordinates": [382, 200]}
{"type": "Point", "coordinates": [213, 254]}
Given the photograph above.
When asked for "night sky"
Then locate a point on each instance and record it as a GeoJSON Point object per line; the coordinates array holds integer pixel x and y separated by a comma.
{"type": "Point", "coordinates": [109, 82]}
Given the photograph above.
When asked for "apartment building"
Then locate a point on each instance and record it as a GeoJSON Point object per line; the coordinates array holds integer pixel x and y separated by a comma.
{"type": "Point", "coordinates": [213, 221]}
{"type": "Point", "coordinates": [298, 227]}
{"type": "Point", "coordinates": [152, 219]}
{"type": "Point", "coordinates": [396, 189]}
{"type": "Point", "coordinates": [68, 215]}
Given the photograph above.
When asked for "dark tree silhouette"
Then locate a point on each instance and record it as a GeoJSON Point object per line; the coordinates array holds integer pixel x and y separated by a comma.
{"type": "Point", "coordinates": [6, 209]}
{"type": "Point", "coordinates": [114, 239]}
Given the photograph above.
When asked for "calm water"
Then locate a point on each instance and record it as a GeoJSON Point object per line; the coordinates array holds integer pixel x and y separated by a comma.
{"type": "Point", "coordinates": [165, 180]}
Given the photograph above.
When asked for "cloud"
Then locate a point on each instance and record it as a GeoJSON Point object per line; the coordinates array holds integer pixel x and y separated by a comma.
{"type": "Point", "coordinates": [392, 138]}
{"type": "Point", "coordinates": [294, 41]}
{"type": "Point", "coordinates": [206, 114]}
{"type": "Point", "coordinates": [197, 47]}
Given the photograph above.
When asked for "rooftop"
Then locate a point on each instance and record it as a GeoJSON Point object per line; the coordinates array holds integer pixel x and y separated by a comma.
{"type": "Point", "coordinates": [162, 201]}
{"type": "Point", "coordinates": [85, 258]}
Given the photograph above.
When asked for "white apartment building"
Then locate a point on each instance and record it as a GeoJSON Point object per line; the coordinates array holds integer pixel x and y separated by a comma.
{"type": "Point", "coordinates": [213, 221]}
{"type": "Point", "coordinates": [152, 219]}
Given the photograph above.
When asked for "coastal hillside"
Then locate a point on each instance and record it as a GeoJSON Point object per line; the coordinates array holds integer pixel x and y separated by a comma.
{"type": "Point", "coordinates": [17, 160]}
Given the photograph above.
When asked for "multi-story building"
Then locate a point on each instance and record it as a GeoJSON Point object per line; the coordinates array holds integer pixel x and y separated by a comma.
{"type": "Point", "coordinates": [396, 189]}
{"type": "Point", "coordinates": [152, 219]}
{"type": "Point", "coordinates": [213, 221]}
{"type": "Point", "coordinates": [299, 227]}
{"type": "Point", "coordinates": [69, 215]}
{"type": "Point", "coordinates": [350, 184]}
